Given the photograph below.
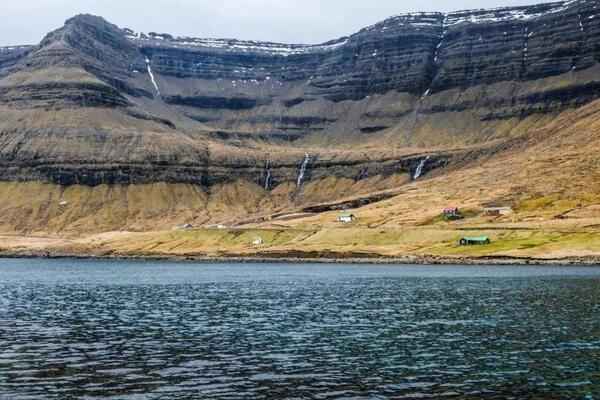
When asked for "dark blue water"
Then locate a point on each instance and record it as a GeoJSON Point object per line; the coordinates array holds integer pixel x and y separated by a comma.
{"type": "Point", "coordinates": [74, 329]}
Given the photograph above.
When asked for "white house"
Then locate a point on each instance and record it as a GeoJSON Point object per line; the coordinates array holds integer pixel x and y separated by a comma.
{"type": "Point", "coordinates": [346, 218]}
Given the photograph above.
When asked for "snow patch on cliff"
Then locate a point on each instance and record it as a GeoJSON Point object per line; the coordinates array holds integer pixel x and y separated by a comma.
{"type": "Point", "coordinates": [505, 14]}
{"type": "Point", "coordinates": [10, 49]}
{"type": "Point", "coordinates": [244, 46]}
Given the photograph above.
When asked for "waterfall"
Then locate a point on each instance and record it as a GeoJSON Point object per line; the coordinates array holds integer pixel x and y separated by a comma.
{"type": "Point", "coordinates": [419, 170]}
{"type": "Point", "coordinates": [526, 46]}
{"type": "Point", "coordinates": [268, 180]}
{"type": "Point", "coordinates": [151, 74]}
{"type": "Point", "coordinates": [268, 177]}
{"type": "Point", "coordinates": [303, 169]}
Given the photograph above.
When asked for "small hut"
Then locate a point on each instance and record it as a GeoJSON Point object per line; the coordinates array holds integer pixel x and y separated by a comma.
{"type": "Point", "coordinates": [475, 241]}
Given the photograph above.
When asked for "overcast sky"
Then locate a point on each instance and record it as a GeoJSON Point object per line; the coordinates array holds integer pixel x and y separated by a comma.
{"type": "Point", "coordinates": [289, 21]}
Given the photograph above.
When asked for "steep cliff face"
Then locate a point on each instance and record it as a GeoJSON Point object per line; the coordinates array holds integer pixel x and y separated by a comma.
{"type": "Point", "coordinates": [522, 43]}
{"type": "Point", "coordinates": [408, 53]}
{"type": "Point", "coordinates": [11, 55]}
{"type": "Point", "coordinates": [395, 55]}
{"type": "Point", "coordinates": [94, 103]}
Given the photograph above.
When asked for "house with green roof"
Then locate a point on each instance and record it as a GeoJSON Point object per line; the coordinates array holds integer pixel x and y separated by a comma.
{"type": "Point", "coordinates": [475, 241]}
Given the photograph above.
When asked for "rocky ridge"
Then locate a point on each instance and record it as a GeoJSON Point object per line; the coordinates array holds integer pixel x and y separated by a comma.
{"type": "Point", "coordinates": [412, 53]}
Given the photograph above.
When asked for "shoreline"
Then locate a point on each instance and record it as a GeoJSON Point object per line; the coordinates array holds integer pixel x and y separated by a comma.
{"type": "Point", "coordinates": [374, 260]}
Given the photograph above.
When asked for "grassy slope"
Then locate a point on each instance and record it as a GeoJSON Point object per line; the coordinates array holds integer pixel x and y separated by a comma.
{"type": "Point", "coordinates": [35, 208]}
{"type": "Point", "coordinates": [552, 183]}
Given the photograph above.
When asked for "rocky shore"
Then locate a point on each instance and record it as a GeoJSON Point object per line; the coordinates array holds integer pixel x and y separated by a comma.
{"type": "Point", "coordinates": [314, 259]}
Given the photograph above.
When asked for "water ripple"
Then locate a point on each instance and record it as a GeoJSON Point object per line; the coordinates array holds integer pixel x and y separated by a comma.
{"type": "Point", "coordinates": [350, 334]}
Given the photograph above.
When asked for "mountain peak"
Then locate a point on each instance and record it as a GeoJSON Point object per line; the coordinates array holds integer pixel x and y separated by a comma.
{"type": "Point", "coordinates": [87, 19]}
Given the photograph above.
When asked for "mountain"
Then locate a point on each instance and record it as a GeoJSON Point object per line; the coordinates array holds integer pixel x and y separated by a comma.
{"type": "Point", "coordinates": [105, 129]}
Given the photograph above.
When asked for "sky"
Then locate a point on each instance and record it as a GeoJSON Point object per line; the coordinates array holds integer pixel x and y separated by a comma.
{"type": "Point", "coordinates": [287, 21]}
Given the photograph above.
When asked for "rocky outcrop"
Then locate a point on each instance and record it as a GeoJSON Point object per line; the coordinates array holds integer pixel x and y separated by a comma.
{"type": "Point", "coordinates": [266, 173]}
{"type": "Point", "coordinates": [62, 94]}
{"type": "Point", "coordinates": [90, 42]}
{"type": "Point", "coordinates": [11, 55]}
{"type": "Point", "coordinates": [212, 102]}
